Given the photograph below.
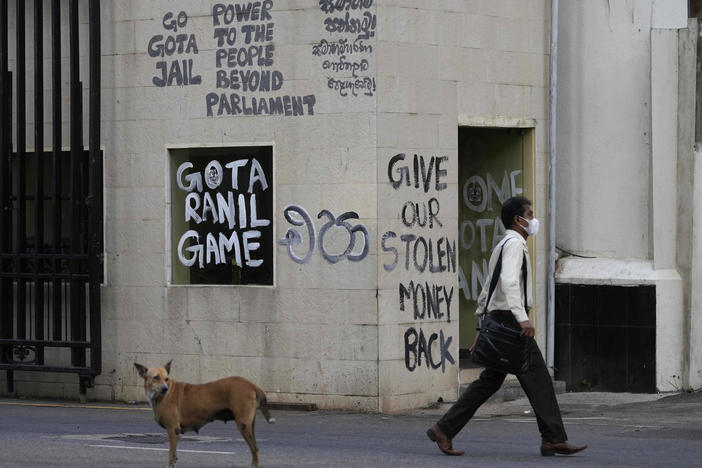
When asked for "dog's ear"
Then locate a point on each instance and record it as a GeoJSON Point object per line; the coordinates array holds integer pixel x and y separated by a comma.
{"type": "Point", "coordinates": [141, 370]}
{"type": "Point", "coordinates": [168, 366]}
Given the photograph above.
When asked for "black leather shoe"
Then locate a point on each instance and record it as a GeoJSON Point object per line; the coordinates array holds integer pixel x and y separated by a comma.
{"type": "Point", "coordinates": [443, 441]}
{"type": "Point", "coordinates": [563, 448]}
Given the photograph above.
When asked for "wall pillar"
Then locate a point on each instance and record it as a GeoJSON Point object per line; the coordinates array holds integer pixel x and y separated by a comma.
{"type": "Point", "coordinates": [663, 212]}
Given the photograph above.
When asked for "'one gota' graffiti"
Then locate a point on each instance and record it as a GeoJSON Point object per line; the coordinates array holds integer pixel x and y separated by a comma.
{"type": "Point", "coordinates": [293, 236]}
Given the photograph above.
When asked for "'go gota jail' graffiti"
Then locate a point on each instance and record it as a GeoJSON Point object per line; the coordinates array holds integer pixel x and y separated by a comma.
{"type": "Point", "coordinates": [233, 209]}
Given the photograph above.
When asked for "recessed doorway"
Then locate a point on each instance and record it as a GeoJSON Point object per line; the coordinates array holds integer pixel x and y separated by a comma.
{"type": "Point", "coordinates": [494, 164]}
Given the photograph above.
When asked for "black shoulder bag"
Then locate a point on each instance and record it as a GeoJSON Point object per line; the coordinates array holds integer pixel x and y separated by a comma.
{"type": "Point", "coordinates": [497, 346]}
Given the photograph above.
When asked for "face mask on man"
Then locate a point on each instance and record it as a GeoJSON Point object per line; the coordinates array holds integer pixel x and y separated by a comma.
{"type": "Point", "coordinates": [533, 226]}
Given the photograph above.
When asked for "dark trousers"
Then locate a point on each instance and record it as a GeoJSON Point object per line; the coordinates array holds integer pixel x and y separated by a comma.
{"type": "Point", "coordinates": [537, 385]}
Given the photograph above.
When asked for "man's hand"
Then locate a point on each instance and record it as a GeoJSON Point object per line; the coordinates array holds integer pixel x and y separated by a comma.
{"type": "Point", "coordinates": [527, 329]}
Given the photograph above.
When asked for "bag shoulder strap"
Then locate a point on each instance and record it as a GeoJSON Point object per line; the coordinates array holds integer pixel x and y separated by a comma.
{"type": "Point", "coordinates": [496, 276]}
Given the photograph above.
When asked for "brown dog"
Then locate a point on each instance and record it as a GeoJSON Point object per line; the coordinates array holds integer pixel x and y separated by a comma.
{"type": "Point", "coordinates": [180, 407]}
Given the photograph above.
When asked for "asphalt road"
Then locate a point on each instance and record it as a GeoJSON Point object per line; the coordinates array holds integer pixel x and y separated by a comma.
{"type": "Point", "coordinates": [73, 435]}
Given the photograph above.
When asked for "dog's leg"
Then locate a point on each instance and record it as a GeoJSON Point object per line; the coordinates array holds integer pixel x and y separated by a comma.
{"type": "Point", "coordinates": [172, 445]}
{"type": "Point", "coordinates": [246, 429]}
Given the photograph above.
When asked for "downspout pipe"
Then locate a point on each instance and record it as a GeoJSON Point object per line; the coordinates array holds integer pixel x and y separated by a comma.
{"type": "Point", "coordinates": [552, 118]}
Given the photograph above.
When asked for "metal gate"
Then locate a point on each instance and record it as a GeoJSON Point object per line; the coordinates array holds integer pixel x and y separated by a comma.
{"type": "Point", "coordinates": [51, 214]}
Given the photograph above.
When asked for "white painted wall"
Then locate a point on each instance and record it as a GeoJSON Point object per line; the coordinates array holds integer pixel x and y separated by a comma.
{"type": "Point", "coordinates": [604, 128]}
{"type": "Point", "coordinates": [695, 343]}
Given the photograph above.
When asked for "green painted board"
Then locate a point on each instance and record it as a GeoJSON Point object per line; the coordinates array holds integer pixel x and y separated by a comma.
{"type": "Point", "coordinates": [491, 167]}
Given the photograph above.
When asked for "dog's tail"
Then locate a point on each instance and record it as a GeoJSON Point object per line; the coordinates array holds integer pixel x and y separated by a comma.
{"type": "Point", "coordinates": [263, 405]}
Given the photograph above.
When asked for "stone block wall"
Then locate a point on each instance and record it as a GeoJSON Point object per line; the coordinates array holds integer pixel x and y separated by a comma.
{"type": "Point", "coordinates": [331, 333]}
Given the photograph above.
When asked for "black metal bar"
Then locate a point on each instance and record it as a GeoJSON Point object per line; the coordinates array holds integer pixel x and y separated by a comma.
{"type": "Point", "coordinates": [6, 300]}
{"type": "Point", "coordinates": [80, 277]}
{"type": "Point", "coordinates": [10, 377]}
{"type": "Point", "coordinates": [698, 101]}
{"type": "Point", "coordinates": [95, 195]}
{"type": "Point", "coordinates": [47, 343]}
{"type": "Point", "coordinates": [76, 287]}
{"type": "Point", "coordinates": [29, 367]}
{"type": "Point", "coordinates": [8, 175]}
{"type": "Point", "coordinates": [30, 197]}
{"type": "Point", "coordinates": [21, 228]}
{"type": "Point", "coordinates": [57, 156]}
{"type": "Point", "coordinates": [39, 168]}
{"type": "Point", "coordinates": [45, 256]}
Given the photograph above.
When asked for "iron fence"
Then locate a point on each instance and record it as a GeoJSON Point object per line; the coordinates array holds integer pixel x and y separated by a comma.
{"type": "Point", "coordinates": [51, 215]}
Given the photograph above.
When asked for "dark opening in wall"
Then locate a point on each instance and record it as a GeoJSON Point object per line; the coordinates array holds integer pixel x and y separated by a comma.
{"type": "Point", "coordinates": [695, 8]}
{"type": "Point", "coordinates": [221, 215]}
{"type": "Point", "coordinates": [606, 338]}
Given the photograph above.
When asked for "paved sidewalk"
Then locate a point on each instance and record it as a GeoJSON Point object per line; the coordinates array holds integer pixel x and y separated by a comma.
{"type": "Point", "coordinates": [576, 402]}
{"type": "Point", "coordinates": [569, 403]}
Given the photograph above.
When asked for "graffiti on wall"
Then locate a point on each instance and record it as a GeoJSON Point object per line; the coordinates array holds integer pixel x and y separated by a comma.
{"type": "Point", "coordinates": [246, 79]}
{"type": "Point", "coordinates": [345, 57]}
{"type": "Point", "coordinates": [298, 216]}
{"type": "Point", "coordinates": [424, 253]}
{"type": "Point", "coordinates": [173, 50]}
{"type": "Point", "coordinates": [242, 49]}
{"type": "Point", "coordinates": [483, 196]}
{"type": "Point", "coordinates": [217, 197]}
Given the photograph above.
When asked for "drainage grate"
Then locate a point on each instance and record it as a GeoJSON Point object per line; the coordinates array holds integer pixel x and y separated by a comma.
{"type": "Point", "coordinates": [154, 439]}
{"type": "Point", "coordinates": [150, 438]}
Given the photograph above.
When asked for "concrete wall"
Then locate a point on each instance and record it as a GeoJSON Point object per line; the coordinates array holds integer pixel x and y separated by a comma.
{"type": "Point", "coordinates": [440, 66]}
{"type": "Point", "coordinates": [312, 337]}
{"type": "Point", "coordinates": [687, 91]}
{"type": "Point", "coordinates": [689, 201]}
{"type": "Point", "coordinates": [334, 334]}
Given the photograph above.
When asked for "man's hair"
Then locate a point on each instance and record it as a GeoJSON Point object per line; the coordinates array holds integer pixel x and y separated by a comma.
{"type": "Point", "coordinates": [511, 208]}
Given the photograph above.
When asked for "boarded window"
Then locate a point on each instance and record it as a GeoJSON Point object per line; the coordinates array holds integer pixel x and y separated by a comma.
{"type": "Point", "coordinates": [221, 213]}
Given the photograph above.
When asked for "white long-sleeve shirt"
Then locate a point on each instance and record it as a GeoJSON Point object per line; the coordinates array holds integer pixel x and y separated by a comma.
{"type": "Point", "coordinates": [509, 291]}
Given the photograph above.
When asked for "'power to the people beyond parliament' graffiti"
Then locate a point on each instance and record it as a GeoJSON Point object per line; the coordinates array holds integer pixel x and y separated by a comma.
{"type": "Point", "coordinates": [346, 57]}
{"type": "Point", "coordinates": [245, 81]}
{"type": "Point", "coordinates": [422, 300]}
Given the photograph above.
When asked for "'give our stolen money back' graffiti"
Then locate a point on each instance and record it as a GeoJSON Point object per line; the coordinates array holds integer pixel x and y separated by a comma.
{"type": "Point", "coordinates": [426, 252]}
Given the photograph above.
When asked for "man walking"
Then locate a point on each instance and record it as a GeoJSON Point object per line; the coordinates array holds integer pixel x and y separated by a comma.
{"type": "Point", "coordinates": [509, 305]}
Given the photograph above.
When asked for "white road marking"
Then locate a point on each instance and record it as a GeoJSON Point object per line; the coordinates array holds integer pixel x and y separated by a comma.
{"type": "Point", "coordinates": [595, 420]}
{"type": "Point", "coordinates": [62, 405]}
{"type": "Point", "coordinates": [583, 418]}
{"type": "Point", "coordinates": [162, 449]}
{"type": "Point", "coordinates": [125, 436]}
